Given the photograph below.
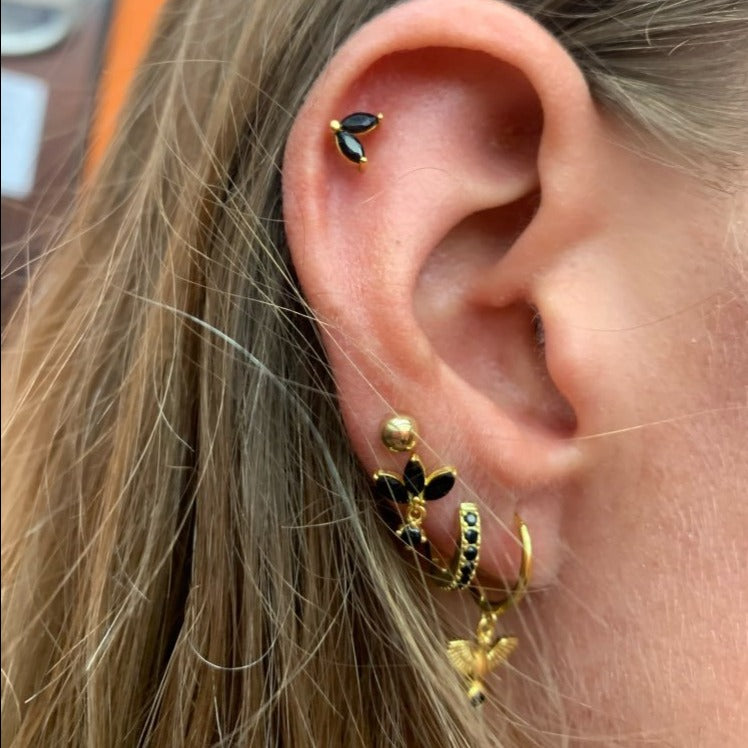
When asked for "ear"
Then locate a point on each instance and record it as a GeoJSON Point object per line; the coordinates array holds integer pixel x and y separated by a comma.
{"type": "Point", "coordinates": [422, 268]}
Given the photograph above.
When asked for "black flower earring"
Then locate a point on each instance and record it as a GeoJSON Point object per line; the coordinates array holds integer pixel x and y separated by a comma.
{"type": "Point", "coordinates": [414, 488]}
{"type": "Point", "coordinates": [346, 130]}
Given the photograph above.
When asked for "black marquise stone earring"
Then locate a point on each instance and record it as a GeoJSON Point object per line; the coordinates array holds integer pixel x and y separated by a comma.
{"type": "Point", "coordinates": [346, 130]}
{"type": "Point", "coordinates": [414, 489]}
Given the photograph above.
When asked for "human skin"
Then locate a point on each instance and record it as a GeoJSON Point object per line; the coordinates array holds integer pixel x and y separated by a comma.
{"type": "Point", "coordinates": [645, 623]}
{"type": "Point", "coordinates": [497, 191]}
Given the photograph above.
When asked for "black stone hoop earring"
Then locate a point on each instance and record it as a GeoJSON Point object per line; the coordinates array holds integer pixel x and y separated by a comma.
{"type": "Point", "coordinates": [346, 130]}
{"type": "Point", "coordinates": [473, 660]}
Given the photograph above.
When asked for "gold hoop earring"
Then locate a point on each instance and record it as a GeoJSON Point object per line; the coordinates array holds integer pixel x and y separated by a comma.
{"type": "Point", "coordinates": [464, 565]}
{"type": "Point", "coordinates": [475, 660]}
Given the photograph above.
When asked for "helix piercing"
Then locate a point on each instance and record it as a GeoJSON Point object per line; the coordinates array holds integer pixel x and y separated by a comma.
{"type": "Point", "coordinates": [346, 130]}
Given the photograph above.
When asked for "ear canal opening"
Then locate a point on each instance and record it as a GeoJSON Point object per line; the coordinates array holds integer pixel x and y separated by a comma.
{"type": "Point", "coordinates": [498, 349]}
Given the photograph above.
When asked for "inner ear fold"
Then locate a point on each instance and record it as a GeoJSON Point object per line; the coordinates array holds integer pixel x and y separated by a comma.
{"type": "Point", "coordinates": [498, 349]}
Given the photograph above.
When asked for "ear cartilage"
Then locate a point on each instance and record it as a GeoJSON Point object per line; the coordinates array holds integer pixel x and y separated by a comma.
{"type": "Point", "coordinates": [414, 490]}
{"type": "Point", "coordinates": [345, 132]}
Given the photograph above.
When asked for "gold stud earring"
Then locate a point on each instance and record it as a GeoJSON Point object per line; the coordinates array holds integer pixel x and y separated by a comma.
{"type": "Point", "coordinates": [345, 131]}
{"type": "Point", "coordinates": [414, 488]}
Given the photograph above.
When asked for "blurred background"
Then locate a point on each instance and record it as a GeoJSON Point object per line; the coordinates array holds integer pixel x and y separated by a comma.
{"type": "Point", "coordinates": [66, 68]}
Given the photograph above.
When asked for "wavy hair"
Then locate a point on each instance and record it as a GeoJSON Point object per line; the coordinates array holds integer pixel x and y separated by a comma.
{"type": "Point", "coordinates": [191, 555]}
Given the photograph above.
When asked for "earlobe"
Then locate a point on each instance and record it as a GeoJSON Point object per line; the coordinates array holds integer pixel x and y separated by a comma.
{"type": "Point", "coordinates": [484, 113]}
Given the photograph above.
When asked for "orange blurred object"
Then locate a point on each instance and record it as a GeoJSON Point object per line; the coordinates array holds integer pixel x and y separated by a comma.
{"type": "Point", "coordinates": [133, 24]}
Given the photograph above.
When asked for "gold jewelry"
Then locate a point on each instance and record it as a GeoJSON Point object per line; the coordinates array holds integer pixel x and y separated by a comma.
{"type": "Point", "coordinates": [473, 660]}
{"type": "Point", "coordinates": [399, 434]}
{"type": "Point", "coordinates": [346, 130]}
{"type": "Point", "coordinates": [464, 566]}
{"type": "Point", "coordinates": [414, 489]}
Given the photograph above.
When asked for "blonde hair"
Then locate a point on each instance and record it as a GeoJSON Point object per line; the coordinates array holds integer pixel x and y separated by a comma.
{"type": "Point", "coordinates": [191, 554]}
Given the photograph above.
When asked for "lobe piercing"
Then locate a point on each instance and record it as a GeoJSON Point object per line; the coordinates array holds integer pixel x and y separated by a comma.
{"type": "Point", "coordinates": [473, 660]}
{"type": "Point", "coordinates": [414, 489]}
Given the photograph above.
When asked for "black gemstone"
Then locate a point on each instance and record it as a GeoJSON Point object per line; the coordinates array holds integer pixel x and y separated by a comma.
{"type": "Point", "coordinates": [470, 553]}
{"type": "Point", "coordinates": [439, 485]}
{"type": "Point", "coordinates": [471, 535]}
{"type": "Point", "coordinates": [359, 122]}
{"type": "Point", "coordinates": [471, 519]}
{"type": "Point", "coordinates": [392, 488]}
{"type": "Point", "coordinates": [466, 572]}
{"type": "Point", "coordinates": [349, 146]}
{"type": "Point", "coordinates": [414, 476]}
{"type": "Point", "coordinates": [477, 698]}
{"type": "Point", "coordinates": [410, 536]}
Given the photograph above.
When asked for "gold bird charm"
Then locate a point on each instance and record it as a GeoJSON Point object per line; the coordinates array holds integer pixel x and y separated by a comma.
{"type": "Point", "coordinates": [475, 660]}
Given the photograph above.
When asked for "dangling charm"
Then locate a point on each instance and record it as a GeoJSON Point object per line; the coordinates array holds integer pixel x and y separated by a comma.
{"type": "Point", "coordinates": [414, 488]}
{"type": "Point", "coordinates": [475, 660]}
{"type": "Point", "coordinates": [346, 130]}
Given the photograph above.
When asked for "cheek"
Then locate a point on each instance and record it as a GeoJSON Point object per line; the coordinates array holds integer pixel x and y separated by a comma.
{"type": "Point", "coordinates": [647, 625]}
{"type": "Point", "coordinates": [664, 325]}
{"type": "Point", "coordinates": [657, 338]}
{"type": "Point", "coordinates": [656, 639]}
{"type": "Point", "coordinates": [652, 325]}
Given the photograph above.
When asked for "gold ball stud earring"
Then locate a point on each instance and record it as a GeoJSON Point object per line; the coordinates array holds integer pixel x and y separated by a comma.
{"type": "Point", "coordinates": [399, 433]}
